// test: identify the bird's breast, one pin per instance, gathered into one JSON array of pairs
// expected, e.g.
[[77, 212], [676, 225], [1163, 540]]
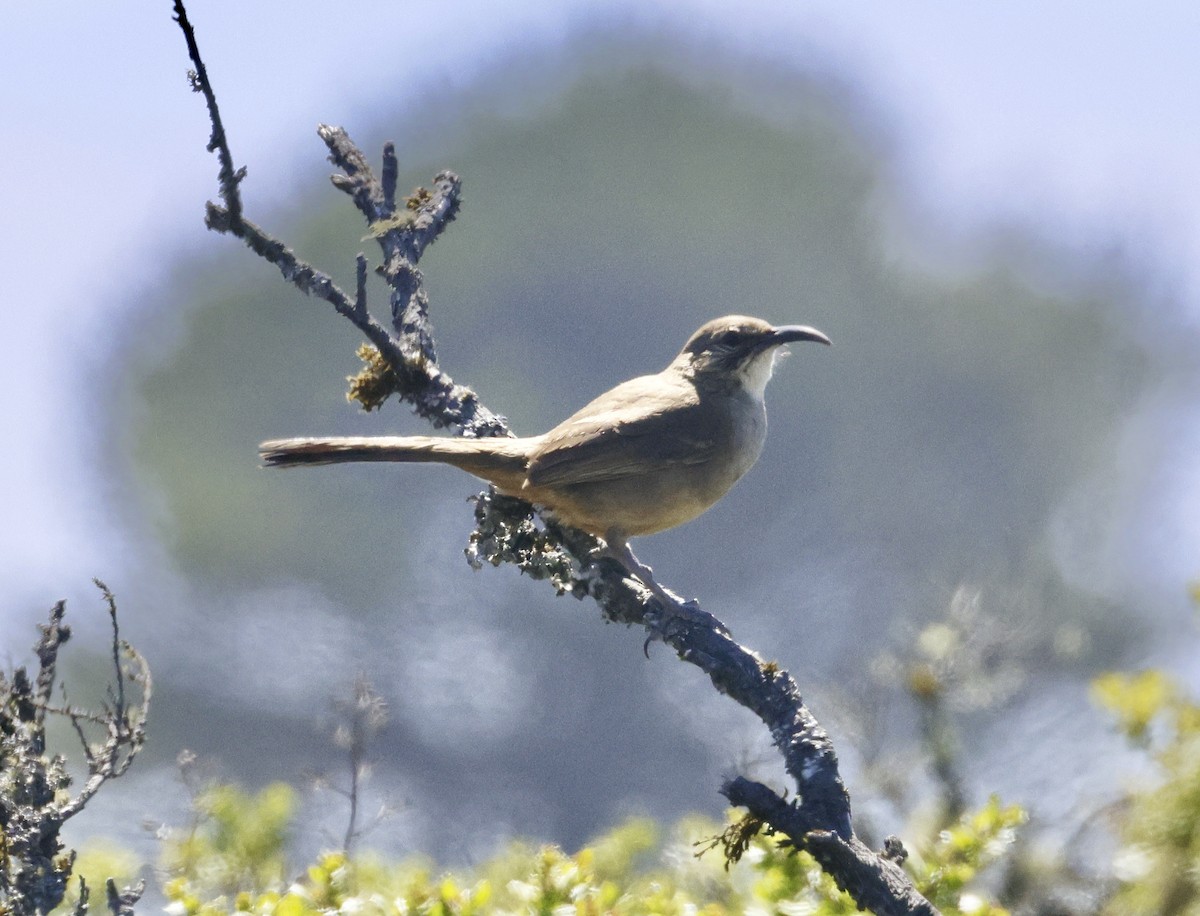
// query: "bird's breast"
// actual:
[[744, 432]]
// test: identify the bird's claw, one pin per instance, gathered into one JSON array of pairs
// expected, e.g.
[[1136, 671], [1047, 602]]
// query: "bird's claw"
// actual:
[[662, 613], [659, 618]]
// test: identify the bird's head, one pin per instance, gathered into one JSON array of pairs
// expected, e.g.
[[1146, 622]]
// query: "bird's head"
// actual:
[[740, 349]]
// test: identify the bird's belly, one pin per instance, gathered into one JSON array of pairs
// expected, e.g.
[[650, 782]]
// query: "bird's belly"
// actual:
[[644, 504]]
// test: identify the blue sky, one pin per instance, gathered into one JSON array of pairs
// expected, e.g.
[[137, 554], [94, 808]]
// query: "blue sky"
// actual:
[[1075, 118]]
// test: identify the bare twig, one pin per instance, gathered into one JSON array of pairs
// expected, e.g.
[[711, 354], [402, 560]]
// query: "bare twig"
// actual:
[[54, 635], [431, 392], [36, 804], [509, 530], [391, 173], [228, 177], [117, 645], [125, 725], [121, 902], [359, 720]]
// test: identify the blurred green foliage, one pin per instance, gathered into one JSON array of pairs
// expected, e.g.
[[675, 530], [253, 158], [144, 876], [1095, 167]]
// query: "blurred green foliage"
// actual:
[[231, 860], [949, 867], [96, 863], [232, 856], [236, 844], [1160, 823]]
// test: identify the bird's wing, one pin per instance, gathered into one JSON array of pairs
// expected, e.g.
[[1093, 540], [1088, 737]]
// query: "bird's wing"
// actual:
[[641, 426]]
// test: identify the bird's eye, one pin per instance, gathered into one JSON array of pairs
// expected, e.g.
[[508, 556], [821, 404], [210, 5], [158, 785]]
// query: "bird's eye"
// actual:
[[730, 338]]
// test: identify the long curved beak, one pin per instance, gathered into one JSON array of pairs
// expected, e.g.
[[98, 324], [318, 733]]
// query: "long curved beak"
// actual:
[[789, 333]]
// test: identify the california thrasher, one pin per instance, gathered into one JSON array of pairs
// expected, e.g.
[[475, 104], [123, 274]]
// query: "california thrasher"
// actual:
[[650, 454]]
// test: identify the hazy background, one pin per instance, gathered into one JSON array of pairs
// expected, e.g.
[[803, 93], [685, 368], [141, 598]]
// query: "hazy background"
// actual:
[[993, 213]]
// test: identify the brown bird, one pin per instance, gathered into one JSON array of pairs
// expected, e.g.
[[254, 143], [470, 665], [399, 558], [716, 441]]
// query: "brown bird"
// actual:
[[651, 453]]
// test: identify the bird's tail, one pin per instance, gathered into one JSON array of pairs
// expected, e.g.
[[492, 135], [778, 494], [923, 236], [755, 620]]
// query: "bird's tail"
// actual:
[[499, 461]]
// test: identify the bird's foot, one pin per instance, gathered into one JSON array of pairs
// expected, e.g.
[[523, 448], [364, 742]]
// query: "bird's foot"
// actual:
[[671, 607], [666, 608], [618, 549]]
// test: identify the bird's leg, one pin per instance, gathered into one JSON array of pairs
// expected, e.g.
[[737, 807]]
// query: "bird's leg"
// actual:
[[617, 548]]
